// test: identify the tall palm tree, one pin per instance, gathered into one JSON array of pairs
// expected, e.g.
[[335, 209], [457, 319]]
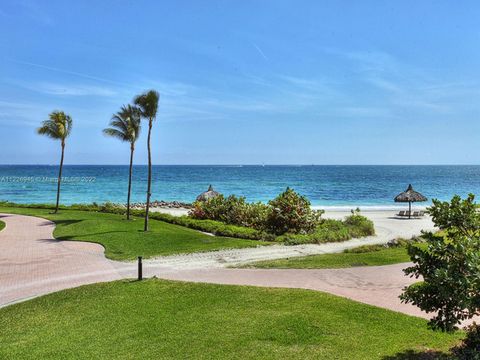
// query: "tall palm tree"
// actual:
[[148, 105], [125, 126], [58, 127]]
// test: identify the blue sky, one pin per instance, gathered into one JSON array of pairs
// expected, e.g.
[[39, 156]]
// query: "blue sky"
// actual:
[[246, 82]]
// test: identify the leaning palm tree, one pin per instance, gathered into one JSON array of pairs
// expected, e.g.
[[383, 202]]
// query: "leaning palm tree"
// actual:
[[58, 127], [148, 105], [125, 125]]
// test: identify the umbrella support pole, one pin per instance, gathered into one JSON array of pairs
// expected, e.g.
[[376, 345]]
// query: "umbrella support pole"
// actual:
[[409, 209]]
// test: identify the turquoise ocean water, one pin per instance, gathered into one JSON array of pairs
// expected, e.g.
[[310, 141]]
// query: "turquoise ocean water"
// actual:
[[325, 186]]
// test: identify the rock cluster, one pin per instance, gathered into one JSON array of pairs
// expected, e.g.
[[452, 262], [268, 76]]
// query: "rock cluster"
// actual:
[[163, 204]]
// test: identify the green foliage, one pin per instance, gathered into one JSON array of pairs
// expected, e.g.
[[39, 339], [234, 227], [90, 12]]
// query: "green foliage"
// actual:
[[125, 124], [470, 347], [288, 212], [231, 210], [214, 227], [449, 265], [2, 225], [291, 213], [58, 126], [330, 230]]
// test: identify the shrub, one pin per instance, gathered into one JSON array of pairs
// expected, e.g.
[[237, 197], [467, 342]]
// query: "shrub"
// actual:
[[329, 230], [359, 225], [291, 212], [449, 264], [470, 346], [231, 210], [288, 212]]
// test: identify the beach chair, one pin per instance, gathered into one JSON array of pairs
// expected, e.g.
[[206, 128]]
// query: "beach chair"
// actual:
[[416, 214], [407, 213], [401, 213], [421, 213]]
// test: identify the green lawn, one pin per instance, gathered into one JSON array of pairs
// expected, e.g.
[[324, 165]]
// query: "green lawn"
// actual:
[[386, 256], [2, 225], [156, 319], [124, 239]]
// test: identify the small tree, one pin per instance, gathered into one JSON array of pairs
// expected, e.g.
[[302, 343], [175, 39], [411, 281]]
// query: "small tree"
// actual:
[[449, 265], [291, 212]]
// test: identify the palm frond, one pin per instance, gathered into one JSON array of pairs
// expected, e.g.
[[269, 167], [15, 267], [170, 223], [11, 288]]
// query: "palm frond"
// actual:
[[125, 124], [148, 103], [58, 126]]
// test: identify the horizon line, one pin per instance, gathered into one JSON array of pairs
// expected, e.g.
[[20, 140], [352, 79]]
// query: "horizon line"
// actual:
[[239, 165]]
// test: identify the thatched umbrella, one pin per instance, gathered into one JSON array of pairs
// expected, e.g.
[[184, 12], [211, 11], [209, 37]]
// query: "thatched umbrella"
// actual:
[[209, 194], [410, 196]]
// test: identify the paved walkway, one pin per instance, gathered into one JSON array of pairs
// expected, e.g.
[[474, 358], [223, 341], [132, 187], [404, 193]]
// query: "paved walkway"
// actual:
[[33, 263]]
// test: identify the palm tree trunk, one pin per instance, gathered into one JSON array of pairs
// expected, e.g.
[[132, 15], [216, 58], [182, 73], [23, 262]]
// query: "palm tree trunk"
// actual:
[[149, 186], [59, 178], [132, 148]]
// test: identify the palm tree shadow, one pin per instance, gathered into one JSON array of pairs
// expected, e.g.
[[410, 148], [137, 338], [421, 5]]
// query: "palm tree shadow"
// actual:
[[72, 237], [419, 355], [61, 222]]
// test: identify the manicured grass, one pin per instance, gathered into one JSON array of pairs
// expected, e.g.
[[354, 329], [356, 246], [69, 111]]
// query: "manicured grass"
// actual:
[[157, 319], [124, 239], [2, 225], [385, 256]]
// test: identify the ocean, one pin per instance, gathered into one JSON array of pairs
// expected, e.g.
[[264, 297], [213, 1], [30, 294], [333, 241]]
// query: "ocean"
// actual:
[[326, 186]]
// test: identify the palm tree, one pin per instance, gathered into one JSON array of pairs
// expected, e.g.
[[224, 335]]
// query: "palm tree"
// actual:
[[148, 105], [58, 127], [125, 125]]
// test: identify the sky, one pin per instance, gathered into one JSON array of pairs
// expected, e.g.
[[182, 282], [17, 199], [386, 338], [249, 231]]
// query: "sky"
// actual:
[[245, 82]]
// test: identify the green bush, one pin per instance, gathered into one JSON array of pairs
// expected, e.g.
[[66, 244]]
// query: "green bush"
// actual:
[[359, 225], [231, 210], [330, 230], [470, 347], [290, 212], [449, 264]]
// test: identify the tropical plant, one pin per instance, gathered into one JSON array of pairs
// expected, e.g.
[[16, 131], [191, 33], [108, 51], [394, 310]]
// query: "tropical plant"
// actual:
[[57, 127], [291, 212], [148, 105], [231, 210], [125, 125], [449, 265]]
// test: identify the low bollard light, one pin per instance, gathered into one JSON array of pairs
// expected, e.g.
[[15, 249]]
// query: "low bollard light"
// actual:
[[140, 274]]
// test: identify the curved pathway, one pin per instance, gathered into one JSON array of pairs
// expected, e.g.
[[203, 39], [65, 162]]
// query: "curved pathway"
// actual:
[[33, 263]]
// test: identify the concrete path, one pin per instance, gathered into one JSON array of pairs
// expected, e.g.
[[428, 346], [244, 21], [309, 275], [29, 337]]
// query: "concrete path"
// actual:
[[33, 263]]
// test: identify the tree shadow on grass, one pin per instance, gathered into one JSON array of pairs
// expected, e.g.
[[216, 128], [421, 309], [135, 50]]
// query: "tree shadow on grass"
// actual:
[[420, 355], [60, 222], [75, 237]]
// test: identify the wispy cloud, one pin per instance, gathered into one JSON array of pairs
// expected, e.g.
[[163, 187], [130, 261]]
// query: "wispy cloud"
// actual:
[[260, 51], [68, 89], [66, 71], [408, 87]]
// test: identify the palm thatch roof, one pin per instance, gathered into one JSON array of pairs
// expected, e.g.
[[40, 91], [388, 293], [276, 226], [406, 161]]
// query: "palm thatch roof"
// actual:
[[209, 194], [410, 195]]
